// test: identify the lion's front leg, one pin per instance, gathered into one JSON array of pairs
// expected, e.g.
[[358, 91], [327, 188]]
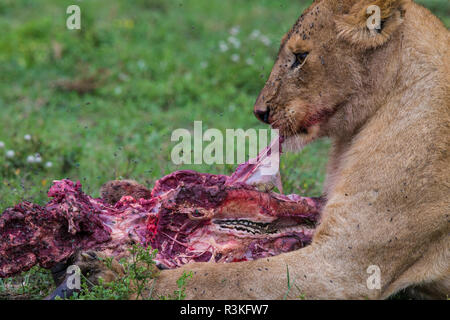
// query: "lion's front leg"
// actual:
[[347, 259], [304, 273]]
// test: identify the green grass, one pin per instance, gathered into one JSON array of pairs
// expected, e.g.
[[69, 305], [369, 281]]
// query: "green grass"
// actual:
[[136, 282], [159, 67]]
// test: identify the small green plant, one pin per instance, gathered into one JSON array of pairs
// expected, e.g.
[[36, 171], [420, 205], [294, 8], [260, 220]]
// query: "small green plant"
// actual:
[[301, 295], [139, 270], [33, 284], [289, 284]]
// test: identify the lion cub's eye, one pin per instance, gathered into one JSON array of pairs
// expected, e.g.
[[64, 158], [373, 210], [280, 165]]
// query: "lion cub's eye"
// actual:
[[299, 59]]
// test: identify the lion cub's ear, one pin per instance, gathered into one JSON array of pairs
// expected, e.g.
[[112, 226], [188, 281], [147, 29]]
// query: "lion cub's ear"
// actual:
[[370, 23]]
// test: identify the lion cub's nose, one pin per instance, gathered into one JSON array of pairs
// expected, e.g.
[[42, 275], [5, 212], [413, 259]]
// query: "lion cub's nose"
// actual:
[[262, 114]]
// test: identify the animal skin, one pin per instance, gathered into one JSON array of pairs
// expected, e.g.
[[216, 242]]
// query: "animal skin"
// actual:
[[383, 99]]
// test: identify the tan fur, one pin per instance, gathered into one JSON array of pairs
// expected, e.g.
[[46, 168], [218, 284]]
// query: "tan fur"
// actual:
[[385, 103]]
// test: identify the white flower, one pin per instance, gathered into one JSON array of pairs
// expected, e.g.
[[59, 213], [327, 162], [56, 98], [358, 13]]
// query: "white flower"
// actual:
[[203, 64], [34, 158], [264, 39], [118, 90], [235, 57], [37, 158], [235, 42], [249, 61], [255, 34], [10, 154], [27, 137], [2, 144], [48, 164], [31, 159], [235, 30], [223, 46]]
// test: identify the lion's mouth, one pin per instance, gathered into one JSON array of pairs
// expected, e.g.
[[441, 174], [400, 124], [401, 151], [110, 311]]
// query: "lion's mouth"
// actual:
[[312, 120], [296, 135]]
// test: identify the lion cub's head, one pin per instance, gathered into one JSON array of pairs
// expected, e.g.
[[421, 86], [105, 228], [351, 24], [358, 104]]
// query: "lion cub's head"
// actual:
[[329, 65]]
